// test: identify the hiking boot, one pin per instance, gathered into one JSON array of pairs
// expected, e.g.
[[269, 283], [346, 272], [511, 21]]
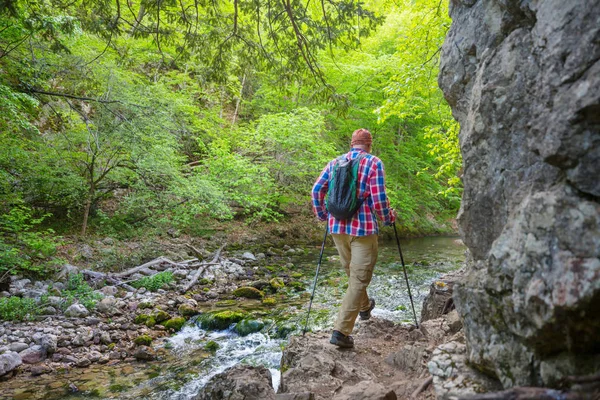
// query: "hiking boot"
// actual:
[[341, 340], [365, 315]]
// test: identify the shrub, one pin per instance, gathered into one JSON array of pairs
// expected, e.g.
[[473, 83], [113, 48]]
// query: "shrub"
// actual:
[[17, 308], [154, 282], [77, 289]]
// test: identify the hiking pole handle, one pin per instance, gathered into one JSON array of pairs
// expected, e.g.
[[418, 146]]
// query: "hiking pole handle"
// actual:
[[412, 304], [312, 296]]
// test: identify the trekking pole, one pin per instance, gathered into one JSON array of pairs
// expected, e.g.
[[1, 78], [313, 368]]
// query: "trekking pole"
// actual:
[[406, 276], [312, 296]]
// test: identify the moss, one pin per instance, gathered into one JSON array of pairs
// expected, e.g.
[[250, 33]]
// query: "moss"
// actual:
[[150, 322], [211, 346], [297, 275], [297, 286], [205, 281], [269, 301], [221, 320], [111, 346], [276, 283], [143, 340], [248, 326], [226, 303], [271, 268], [161, 316], [141, 319], [186, 310], [174, 324], [145, 305], [248, 292]]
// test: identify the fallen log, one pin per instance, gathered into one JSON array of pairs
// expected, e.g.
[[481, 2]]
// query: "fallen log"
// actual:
[[202, 268], [156, 261]]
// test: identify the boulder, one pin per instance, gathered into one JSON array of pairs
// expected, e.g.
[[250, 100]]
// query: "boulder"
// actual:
[[523, 81], [33, 354], [76, 311], [9, 361], [241, 382], [18, 347], [108, 306]]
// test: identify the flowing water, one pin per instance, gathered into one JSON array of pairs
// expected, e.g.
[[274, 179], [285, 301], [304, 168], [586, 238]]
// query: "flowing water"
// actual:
[[185, 366]]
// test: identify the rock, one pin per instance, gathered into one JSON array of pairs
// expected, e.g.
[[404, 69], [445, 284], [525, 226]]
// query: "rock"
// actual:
[[248, 292], [248, 326], [144, 353], [9, 361], [143, 340], [453, 321], [18, 347], [38, 370], [33, 354], [83, 337], [109, 290], [523, 81], [219, 320], [49, 310], [108, 306], [249, 256], [435, 329], [187, 310], [83, 362], [438, 301], [408, 358], [76, 311], [105, 338], [452, 378], [85, 251], [365, 390], [295, 396], [174, 324], [241, 382], [48, 343]]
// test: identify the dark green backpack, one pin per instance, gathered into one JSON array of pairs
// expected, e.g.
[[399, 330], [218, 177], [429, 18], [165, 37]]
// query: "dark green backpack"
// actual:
[[342, 195]]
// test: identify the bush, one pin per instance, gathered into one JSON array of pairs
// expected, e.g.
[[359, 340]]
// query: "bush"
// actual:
[[154, 282], [17, 308], [77, 289]]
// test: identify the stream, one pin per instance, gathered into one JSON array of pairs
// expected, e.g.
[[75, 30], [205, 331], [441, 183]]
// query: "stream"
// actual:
[[184, 365]]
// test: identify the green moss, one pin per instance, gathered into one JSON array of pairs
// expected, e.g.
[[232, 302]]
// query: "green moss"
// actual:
[[161, 316], [297, 286], [205, 281], [211, 346], [401, 307], [141, 319], [297, 275], [143, 340], [272, 268], [248, 292], [150, 322], [226, 303], [145, 305], [276, 283], [221, 320], [186, 310], [111, 346], [248, 326], [269, 301], [174, 324]]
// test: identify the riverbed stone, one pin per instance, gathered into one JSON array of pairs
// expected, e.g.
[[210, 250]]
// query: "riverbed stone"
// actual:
[[9, 361], [144, 353], [18, 347], [77, 311], [523, 80], [241, 382], [33, 354]]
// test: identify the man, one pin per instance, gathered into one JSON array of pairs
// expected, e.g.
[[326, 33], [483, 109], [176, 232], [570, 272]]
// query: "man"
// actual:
[[356, 238]]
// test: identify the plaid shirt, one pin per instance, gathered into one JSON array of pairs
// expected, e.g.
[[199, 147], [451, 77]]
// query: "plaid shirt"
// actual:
[[371, 179]]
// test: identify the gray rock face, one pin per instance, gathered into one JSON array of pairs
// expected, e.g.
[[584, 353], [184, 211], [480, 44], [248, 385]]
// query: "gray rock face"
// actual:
[[9, 361], [241, 382], [523, 79]]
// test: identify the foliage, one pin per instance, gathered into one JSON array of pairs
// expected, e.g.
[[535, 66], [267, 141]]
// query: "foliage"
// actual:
[[22, 248], [78, 290], [15, 308], [154, 282]]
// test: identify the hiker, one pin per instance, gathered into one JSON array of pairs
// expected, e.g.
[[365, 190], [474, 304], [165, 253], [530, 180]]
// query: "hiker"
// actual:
[[356, 238]]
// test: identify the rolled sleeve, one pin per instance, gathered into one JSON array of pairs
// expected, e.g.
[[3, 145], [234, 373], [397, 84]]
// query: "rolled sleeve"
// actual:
[[319, 191], [381, 203]]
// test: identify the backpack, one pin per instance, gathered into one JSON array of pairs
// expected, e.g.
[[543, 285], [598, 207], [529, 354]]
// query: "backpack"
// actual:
[[342, 196]]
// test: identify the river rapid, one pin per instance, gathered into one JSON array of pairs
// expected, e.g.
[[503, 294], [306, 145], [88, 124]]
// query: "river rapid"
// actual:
[[184, 364]]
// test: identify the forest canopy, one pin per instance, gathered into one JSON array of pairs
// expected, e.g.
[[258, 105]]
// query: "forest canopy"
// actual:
[[123, 115]]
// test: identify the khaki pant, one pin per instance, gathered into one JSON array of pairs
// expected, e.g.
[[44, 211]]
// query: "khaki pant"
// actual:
[[358, 255]]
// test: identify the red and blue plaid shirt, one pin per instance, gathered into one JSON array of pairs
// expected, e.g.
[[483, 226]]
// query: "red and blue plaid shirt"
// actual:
[[371, 187]]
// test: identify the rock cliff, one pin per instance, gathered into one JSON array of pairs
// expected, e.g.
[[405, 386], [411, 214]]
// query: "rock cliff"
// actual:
[[523, 79]]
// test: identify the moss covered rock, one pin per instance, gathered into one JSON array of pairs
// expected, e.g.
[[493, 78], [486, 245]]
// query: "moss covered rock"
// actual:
[[297, 286], [143, 340], [186, 310], [211, 346], [174, 324], [161, 316], [248, 292], [276, 283], [220, 320], [269, 301], [248, 326], [141, 319]]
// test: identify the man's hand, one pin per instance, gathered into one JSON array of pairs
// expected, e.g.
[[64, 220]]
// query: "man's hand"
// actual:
[[394, 214]]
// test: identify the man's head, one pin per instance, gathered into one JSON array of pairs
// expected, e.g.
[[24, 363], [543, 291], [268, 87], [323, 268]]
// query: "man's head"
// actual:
[[362, 139]]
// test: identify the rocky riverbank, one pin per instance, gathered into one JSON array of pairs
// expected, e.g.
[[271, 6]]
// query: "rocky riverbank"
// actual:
[[119, 322]]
